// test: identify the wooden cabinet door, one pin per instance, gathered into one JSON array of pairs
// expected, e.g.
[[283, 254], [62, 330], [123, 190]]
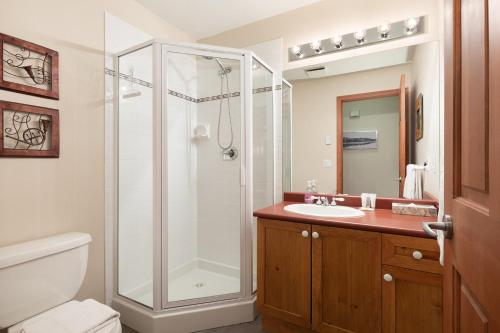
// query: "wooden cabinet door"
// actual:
[[412, 301], [284, 271], [346, 288]]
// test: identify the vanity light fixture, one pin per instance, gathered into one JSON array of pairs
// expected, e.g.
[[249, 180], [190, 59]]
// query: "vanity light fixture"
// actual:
[[411, 25], [360, 36], [384, 31], [337, 41], [298, 52], [316, 47]]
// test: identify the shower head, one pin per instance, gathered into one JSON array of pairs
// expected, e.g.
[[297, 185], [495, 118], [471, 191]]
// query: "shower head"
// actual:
[[223, 69]]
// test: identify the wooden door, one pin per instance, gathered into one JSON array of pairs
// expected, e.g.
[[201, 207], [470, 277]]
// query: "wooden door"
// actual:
[[284, 266], [472, 166], [403, 158], [346, 288], [412, 301]]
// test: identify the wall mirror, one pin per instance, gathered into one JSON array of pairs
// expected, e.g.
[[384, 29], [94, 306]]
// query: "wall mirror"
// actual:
[[354, 125]]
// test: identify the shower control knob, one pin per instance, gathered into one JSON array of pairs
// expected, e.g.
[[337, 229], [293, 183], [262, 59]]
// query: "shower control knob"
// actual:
[[388, 277], [315, 235], [305, 234], [417, 255]]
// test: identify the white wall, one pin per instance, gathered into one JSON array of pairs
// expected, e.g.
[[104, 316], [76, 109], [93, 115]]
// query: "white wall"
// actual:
[[426, 80], [314, 118]]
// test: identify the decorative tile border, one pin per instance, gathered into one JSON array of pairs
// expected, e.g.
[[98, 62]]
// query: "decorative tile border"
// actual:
[[128, 78], [135, 80]]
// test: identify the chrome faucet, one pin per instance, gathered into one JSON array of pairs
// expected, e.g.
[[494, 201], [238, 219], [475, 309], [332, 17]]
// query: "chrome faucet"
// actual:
[[334, 201]]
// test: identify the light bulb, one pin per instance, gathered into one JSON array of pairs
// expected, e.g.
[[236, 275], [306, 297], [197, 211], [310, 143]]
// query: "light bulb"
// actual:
[[384, 30], [337, 41], [411, 25], [297, 51], [360, 36], [316, 46]]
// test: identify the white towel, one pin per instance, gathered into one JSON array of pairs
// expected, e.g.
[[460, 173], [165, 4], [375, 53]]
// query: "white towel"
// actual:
[[72, 317], [413, 182]]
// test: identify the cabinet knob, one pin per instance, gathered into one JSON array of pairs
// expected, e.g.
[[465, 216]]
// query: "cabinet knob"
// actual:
[[305, 234], [388, 277], [417, 255], [315, 234]]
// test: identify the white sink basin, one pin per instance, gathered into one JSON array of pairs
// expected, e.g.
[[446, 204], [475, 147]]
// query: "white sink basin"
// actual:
[[324, 211]]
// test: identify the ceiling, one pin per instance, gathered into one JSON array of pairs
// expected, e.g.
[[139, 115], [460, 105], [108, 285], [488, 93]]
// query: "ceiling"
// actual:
[[204, 18]]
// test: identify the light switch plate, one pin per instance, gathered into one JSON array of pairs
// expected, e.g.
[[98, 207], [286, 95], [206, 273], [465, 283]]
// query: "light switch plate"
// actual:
[[328, 140]]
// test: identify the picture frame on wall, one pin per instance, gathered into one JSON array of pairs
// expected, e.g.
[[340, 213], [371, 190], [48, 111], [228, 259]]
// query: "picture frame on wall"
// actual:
[[28, 68], [359, 140], [28, 130], [419, 117]]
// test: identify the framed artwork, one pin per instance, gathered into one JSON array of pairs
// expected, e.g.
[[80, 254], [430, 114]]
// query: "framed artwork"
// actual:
[[28, 68], [357, 140], [419, 114], [28, 131]]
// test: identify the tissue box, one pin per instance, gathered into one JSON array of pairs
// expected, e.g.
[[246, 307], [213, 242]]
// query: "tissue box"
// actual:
[[414, 209]]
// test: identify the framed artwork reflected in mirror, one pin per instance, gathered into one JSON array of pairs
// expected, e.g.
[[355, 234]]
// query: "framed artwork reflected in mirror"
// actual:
[[419, 115]]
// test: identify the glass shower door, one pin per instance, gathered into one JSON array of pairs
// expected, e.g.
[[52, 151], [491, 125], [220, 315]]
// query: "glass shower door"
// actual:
[[135, 160], [203, 201], [262, 146]]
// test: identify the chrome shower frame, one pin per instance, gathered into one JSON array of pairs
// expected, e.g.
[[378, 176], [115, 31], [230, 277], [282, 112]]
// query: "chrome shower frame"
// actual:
[[203, 313]]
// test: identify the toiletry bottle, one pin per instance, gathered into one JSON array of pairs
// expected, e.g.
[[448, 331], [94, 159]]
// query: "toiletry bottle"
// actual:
[[314, 189], [308, 195]]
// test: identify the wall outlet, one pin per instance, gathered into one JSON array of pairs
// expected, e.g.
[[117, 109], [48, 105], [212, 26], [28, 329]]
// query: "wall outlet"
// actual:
[[327, 163]]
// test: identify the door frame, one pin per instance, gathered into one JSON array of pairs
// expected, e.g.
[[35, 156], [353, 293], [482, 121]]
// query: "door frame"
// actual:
[[403, 128]]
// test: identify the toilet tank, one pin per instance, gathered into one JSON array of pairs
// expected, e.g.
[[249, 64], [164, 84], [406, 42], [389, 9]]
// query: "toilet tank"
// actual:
[[41, 274]]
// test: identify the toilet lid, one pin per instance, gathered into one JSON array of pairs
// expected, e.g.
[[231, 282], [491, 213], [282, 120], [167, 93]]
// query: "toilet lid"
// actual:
[[70, 317]]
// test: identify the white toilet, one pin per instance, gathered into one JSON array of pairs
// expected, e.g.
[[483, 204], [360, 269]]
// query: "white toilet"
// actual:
[[38, 280]]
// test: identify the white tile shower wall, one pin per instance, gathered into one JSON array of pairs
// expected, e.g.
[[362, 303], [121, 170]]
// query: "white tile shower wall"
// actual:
[[182, 163], [135, 259], [219, 206]]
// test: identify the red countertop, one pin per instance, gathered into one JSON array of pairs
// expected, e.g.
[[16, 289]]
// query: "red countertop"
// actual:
[[380, 220]]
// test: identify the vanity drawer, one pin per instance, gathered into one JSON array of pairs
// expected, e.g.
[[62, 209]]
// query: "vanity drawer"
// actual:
[[411, 252]]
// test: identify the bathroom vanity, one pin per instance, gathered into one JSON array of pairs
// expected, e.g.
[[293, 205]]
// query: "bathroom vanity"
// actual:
[[376, 273]]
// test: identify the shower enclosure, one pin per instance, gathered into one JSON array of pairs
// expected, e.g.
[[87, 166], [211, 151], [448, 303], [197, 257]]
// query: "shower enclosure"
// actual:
[[194, 156]]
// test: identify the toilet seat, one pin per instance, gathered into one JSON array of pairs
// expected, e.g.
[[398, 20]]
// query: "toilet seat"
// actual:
[[88, 316]]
